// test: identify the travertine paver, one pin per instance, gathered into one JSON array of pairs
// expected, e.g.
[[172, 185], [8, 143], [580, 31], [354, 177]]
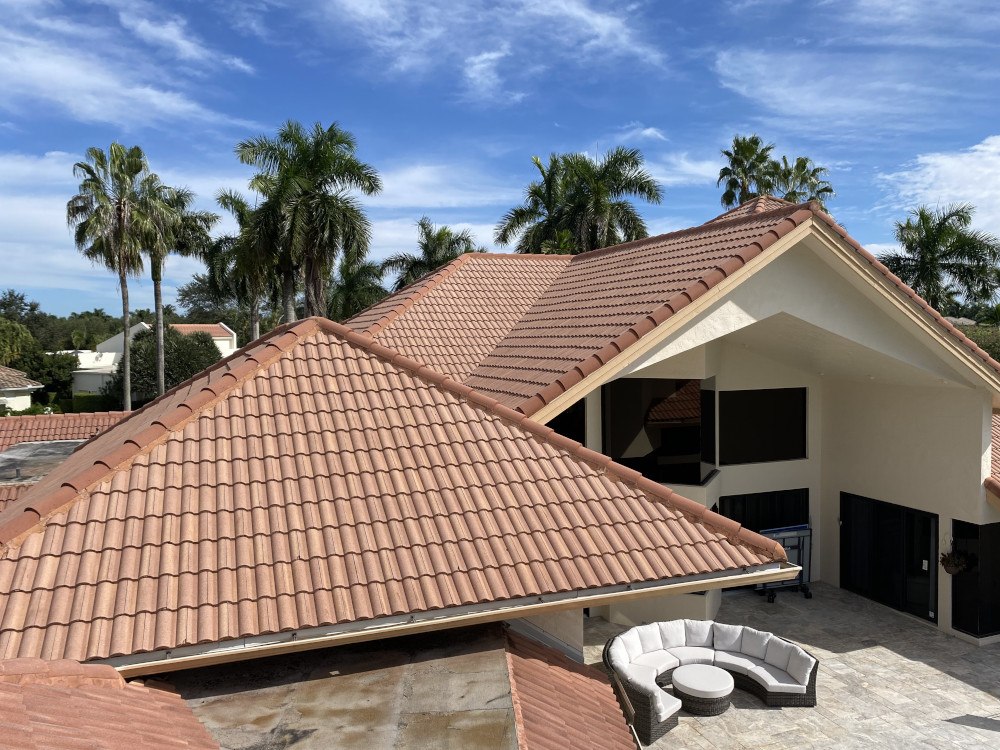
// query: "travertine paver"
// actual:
[[885, 680]]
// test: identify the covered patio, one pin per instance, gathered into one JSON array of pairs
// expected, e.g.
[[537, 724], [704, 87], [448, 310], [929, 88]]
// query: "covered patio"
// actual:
[[885, 680]]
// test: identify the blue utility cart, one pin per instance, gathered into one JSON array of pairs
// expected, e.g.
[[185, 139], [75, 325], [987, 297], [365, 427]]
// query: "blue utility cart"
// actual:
[[797, 541]]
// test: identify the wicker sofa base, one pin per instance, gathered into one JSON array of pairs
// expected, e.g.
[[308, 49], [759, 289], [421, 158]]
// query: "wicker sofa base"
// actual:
[[703, 706], [790, 700]]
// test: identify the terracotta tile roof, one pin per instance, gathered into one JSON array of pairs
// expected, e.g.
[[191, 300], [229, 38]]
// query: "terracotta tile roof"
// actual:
[[561, 704], [63, 705], [215, 330], [598, 305], [993, 481], [684, 405], [43, 427], [455, 317], [606, 300], [756, 206], [15, 379], [316, 477], [10, 492]]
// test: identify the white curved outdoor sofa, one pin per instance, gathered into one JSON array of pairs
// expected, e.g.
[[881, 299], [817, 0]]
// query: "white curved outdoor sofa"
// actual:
[[642, 659]]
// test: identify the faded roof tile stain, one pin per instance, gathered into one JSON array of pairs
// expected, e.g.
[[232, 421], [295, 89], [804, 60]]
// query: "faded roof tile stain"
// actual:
[[316, 477], [63, 704], [561, 704]]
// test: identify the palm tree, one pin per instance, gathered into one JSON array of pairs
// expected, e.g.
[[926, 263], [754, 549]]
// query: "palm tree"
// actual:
[[436, 246], [941, 257], [119, 209], [306, 178], [599, 214], [800, 181], [537, 220], [748, 173], [241, 267], [580, 203], [186, 233], [356, 286]]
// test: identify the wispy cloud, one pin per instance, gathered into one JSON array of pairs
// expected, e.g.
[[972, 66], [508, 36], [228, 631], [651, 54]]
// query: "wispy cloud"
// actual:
[[637, 131], [679, 168], [172, 34], [442, 186], [83, 69], [940, 178], [483, 80], [398, 234]]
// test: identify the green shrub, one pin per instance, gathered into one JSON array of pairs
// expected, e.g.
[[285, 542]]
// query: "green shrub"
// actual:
[[987, 337], [84, 402]]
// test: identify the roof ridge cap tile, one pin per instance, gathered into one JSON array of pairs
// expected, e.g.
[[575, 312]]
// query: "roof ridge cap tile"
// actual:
[[85, 478], [658, 315], [875, 263], [560, 442], [706, 227], [419, 289]]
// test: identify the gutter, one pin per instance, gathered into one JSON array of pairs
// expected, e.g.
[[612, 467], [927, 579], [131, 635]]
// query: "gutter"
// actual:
[[240, 649]]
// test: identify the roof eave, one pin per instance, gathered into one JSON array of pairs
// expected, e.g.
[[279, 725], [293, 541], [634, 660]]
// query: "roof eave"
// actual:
[[223, 652]]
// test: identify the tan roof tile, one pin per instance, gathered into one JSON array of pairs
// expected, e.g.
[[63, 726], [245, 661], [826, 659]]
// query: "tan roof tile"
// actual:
[[325, 479], [11, 378], [559, 703], [756, 206], [215, 330], [43, 427], [453, 318], [46, 705], [10, 492]]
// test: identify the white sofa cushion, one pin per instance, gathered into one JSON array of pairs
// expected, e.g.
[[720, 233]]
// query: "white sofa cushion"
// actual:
[[672, 633], [659, 660], [779, 651], [754, 642], [776, 680], [698, 633], [665, 705], [642, 679], [693, 654], [638, 675], [617, 654], [726, 637], [630, 638], [649, 638], [800, 665], [736, 662]]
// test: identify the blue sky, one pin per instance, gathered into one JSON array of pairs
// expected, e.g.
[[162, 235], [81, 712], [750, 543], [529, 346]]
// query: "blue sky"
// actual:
[[450, 100]]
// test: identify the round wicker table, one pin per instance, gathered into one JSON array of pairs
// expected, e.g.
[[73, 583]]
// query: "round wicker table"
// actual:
[[703, 690]]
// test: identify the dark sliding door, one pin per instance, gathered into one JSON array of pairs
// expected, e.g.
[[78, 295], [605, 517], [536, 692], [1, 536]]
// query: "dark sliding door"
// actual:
[[888, 553]]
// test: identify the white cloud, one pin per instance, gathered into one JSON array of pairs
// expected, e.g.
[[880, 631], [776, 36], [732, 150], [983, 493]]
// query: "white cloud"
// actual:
[[636, 131], [441, 186], [941, 178], [678, 168], [398, 234], [483, 81], [172, 34]]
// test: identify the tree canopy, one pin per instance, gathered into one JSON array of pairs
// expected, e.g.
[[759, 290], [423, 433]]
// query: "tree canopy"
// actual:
[[751, 171], [436, 246]]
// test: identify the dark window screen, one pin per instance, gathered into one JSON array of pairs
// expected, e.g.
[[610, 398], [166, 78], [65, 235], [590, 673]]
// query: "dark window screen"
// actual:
[[759, 426]]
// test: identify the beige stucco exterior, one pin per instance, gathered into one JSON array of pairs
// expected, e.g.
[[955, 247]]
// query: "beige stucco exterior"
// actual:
[[893, 414]]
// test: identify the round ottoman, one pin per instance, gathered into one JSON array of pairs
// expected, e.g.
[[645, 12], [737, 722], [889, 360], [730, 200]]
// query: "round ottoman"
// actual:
[[703, 690]]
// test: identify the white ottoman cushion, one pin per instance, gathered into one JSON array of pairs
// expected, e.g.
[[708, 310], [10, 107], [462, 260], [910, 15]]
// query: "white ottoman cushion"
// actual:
[[660, 660], [727, 637], [776, 680], [672, 633], [693, 655], [698, 633], [754, 643], [702, 681], [736, 662]]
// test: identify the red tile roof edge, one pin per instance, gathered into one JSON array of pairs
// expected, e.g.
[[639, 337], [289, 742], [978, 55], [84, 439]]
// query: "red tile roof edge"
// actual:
[[26, 513], [916, 298], [756, 210], [677, 302], [21, 516], [526, 648], [993, 485], [740, 258], [28, 382]]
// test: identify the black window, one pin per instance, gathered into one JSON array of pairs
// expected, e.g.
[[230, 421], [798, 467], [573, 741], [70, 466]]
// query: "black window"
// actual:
[[764, 425]]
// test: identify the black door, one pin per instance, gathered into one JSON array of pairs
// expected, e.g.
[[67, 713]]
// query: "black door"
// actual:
[[889, 553]]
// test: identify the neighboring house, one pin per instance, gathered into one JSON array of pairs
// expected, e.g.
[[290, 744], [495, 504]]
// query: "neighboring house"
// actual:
[[319, 489], [16, 389], [829, 393], [97, 367]]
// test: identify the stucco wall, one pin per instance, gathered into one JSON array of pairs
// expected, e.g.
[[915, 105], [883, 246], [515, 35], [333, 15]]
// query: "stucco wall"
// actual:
[[16, 400], [656, 609]]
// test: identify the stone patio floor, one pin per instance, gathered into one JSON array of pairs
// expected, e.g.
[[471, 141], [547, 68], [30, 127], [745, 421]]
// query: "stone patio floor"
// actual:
[[885, 680]]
